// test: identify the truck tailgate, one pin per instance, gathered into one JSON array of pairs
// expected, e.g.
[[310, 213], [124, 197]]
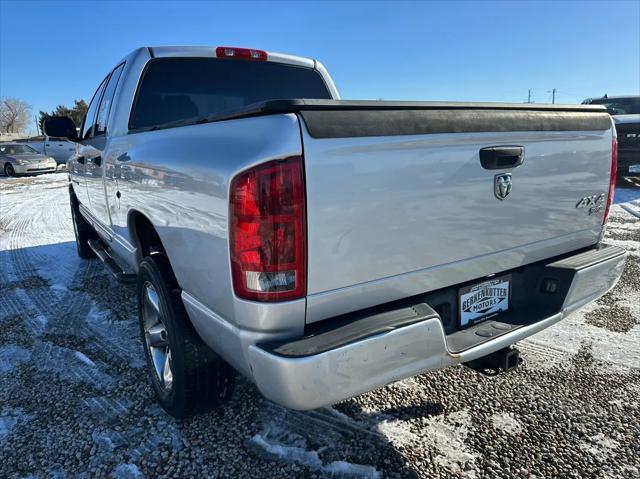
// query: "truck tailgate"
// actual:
[[399, 203]]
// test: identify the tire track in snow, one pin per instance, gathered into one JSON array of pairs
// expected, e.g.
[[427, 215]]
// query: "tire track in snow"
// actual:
[[25, 263], [64, 309]]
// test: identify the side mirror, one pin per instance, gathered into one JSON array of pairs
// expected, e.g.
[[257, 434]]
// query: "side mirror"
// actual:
[[60, 126]]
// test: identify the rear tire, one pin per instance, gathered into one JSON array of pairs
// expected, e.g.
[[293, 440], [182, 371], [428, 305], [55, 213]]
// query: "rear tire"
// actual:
[[83, 230], [186, 375], [8, 170]]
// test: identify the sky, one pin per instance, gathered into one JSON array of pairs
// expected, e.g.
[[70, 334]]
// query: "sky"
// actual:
[[54, 52]]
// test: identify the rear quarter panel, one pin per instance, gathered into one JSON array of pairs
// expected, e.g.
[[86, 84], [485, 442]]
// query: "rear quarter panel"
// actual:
[[179, 178]]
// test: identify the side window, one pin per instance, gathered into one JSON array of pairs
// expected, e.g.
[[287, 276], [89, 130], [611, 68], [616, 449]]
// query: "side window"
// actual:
[[107, 101], [87, 124]]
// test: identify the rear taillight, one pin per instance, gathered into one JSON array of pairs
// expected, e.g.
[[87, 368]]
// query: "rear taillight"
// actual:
[[612, 178], [267, 231], [241, 53]]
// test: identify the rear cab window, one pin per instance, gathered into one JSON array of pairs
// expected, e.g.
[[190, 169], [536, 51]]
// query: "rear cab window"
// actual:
[[182, 89]]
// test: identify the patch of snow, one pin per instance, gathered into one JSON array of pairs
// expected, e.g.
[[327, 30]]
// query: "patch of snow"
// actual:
[[600, 446], [118, 338], [292, 448], [7, 423], [84, 359], [618, 349], [66, 365], [407, 384], [56, 474], [345, 470], [339, 415], [106, 409], [12, 355], [446, 434], [96, 314], [59, 288], [127, 471], [506, 422], [296, 454], [398, 433], [107, 441], [9, 419]]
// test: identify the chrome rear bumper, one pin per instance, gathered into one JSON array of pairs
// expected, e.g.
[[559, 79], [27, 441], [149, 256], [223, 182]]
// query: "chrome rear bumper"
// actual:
[[315, 380]]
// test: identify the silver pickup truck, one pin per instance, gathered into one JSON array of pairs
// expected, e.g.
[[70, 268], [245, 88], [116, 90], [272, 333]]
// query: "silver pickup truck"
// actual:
[[324, 248]]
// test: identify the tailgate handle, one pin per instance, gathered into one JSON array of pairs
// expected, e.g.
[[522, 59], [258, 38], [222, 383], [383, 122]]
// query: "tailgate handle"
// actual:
[[500, 157]]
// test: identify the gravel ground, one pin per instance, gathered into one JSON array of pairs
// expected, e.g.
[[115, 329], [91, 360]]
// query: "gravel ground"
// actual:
[[75, 400]]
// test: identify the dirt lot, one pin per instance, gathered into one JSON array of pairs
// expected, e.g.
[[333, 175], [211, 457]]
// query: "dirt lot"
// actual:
[[75, 401]]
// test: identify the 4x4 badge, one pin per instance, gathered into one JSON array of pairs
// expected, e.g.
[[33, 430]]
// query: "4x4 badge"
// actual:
[[502, 185]]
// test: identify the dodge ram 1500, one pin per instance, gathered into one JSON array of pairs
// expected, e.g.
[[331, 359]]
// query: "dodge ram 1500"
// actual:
[[324, 248]]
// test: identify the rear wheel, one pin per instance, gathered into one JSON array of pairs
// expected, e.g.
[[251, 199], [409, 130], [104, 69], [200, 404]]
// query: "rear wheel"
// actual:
[[187, 376], [82, 230], [8, 170]]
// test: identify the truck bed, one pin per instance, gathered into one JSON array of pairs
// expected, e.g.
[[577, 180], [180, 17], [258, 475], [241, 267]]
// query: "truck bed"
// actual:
[[399, 203]]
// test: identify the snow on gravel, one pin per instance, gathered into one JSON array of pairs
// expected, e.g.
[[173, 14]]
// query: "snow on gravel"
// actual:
[[75, 399], [629, 200], [12, 355], [506, 422]]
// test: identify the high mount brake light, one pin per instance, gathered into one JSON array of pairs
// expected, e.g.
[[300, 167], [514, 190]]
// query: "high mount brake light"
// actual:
[[612, 178], [241, 53], [267, 231]]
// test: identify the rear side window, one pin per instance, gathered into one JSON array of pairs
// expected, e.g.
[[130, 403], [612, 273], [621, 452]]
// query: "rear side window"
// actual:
[[87, 124], [107, 101], [175, 89]]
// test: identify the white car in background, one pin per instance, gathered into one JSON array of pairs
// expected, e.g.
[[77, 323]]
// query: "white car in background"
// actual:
[[21, 159], [59, 148]]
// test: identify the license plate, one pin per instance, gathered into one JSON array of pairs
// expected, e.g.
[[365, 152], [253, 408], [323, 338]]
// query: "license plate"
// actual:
[[634, 168], [483, 300]]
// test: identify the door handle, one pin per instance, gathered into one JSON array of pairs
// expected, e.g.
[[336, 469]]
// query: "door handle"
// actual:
[[97, 160], [81, 159], [501, 157]]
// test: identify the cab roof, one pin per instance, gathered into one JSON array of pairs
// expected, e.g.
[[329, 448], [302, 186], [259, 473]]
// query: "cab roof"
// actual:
[[192, 51]]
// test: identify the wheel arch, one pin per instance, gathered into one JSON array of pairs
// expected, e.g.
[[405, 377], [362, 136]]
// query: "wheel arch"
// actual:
[[144, 235]]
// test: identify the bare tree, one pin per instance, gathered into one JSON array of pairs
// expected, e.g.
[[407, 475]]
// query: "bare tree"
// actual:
[[14, 115]]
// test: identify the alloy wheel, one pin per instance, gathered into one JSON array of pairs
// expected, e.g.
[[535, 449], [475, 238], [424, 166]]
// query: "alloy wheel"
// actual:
[[157, 337]]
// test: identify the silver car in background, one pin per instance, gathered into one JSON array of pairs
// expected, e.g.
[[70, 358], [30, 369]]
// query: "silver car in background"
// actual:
[[20, 159]]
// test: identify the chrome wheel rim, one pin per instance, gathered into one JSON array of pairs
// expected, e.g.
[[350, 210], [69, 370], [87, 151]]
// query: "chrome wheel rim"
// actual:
[[157, 337]]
